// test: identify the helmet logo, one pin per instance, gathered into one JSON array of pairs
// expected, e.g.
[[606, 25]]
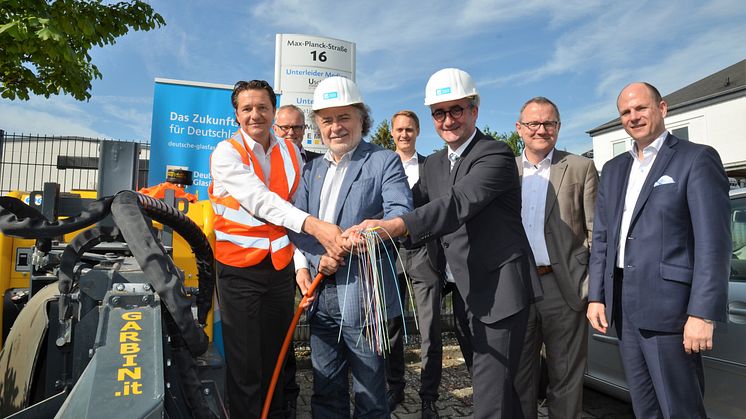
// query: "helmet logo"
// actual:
[[330, 95], [442, 91]]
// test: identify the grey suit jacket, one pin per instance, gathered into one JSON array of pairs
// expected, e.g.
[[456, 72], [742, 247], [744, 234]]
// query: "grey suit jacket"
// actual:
[[374, 186], [568, 222], [473, 220]]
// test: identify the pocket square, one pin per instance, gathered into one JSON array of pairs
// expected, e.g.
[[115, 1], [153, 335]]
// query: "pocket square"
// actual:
[[664, 180]]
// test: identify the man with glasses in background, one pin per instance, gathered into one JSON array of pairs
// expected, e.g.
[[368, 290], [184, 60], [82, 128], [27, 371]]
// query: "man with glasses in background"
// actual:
[[290, 124], [558, 196], [472, 226], [251, 195]]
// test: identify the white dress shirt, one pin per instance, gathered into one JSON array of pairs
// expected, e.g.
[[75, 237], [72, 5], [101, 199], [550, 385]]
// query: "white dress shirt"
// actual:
[[534, 186], [232, 177], [453, 156], [412, 169], [329, 194], [637, 175]]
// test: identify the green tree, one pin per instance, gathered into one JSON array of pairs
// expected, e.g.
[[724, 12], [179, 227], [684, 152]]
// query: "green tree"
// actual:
[[512, 139], [383, 137], [44, 45]]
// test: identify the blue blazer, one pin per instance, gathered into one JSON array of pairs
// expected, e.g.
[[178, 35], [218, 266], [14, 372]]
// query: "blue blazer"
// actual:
[[677, 256], [374, 186]]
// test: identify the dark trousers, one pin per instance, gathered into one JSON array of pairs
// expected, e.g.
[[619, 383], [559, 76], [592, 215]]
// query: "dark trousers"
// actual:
[[496, 355], [463, 334], [664, 381], [256, 307], [427, 289]]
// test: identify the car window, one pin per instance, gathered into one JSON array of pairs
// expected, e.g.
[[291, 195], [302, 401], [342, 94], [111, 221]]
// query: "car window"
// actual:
[[738, 233]]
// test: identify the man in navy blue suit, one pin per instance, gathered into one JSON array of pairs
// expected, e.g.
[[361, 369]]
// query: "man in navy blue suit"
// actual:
[[660, 258]]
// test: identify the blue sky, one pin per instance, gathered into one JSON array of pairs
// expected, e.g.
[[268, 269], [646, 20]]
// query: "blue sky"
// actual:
[[577, 53]]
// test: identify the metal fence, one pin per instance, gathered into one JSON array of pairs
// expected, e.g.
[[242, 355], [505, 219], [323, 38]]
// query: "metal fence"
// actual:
[[27, 161]]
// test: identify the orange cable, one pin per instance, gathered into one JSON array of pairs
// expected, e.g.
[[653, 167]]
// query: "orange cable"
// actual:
[[286, 344]]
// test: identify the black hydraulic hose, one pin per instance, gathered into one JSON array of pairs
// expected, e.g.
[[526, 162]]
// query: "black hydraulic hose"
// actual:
[[186, 228], [70, 257], [82, 243], [21, 220], [160, 269]]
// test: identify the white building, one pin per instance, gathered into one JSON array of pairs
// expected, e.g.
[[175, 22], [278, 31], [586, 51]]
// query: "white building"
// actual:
[[709, 111]]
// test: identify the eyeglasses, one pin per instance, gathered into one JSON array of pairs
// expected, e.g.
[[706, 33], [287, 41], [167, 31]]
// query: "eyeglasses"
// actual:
[[455, 112], [534, 125], [288, 128]]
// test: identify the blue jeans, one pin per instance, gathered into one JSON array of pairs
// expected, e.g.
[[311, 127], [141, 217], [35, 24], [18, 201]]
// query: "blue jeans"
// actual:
[[331, 361]]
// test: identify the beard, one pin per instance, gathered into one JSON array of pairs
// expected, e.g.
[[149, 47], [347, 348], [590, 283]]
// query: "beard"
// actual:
[[340, 149]]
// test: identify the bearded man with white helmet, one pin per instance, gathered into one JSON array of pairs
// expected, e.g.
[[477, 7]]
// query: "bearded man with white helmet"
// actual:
[[473, 229], [353, 181]]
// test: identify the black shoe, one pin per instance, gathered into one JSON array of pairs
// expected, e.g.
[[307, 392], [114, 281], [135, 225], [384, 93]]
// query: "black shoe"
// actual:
[[429, 410], [394, 398]]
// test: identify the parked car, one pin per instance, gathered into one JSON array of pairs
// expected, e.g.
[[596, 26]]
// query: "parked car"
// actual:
[[725, 365]]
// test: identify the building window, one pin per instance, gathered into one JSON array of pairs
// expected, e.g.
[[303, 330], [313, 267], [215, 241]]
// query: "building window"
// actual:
[[682, 133], [619, 147]]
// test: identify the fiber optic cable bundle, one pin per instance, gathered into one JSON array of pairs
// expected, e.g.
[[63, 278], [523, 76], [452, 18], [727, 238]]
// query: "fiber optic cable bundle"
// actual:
[[370, 247]]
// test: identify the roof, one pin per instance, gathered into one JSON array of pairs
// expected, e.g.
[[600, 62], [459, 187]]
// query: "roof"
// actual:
[[728, 83]]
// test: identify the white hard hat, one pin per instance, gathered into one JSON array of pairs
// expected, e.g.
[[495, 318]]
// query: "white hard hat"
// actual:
[[335, 91], [449, 84]]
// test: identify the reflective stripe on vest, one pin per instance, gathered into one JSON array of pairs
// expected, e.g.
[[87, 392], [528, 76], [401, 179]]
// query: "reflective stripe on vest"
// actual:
[[241, 239], [240, 216]]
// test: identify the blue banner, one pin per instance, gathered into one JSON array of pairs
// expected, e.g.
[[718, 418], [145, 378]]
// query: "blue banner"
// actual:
[[189, 120]]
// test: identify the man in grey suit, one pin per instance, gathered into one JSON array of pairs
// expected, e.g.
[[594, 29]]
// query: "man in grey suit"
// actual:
[[558, 195], [427, 284], [472, 227], [354, 180]]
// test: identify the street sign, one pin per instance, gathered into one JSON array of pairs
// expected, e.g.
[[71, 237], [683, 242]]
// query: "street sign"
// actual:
[[301, 62]]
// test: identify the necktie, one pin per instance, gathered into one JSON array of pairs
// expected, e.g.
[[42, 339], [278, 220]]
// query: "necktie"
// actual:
[[453, 157]]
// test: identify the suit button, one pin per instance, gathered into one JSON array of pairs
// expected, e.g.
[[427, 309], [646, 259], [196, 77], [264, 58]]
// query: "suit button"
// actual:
[[630, 266], [630, 238], [445, 244]]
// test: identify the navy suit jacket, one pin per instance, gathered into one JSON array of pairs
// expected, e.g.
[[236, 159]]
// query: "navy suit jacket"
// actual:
[[473, 220], [677, 254], [374, 186]]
